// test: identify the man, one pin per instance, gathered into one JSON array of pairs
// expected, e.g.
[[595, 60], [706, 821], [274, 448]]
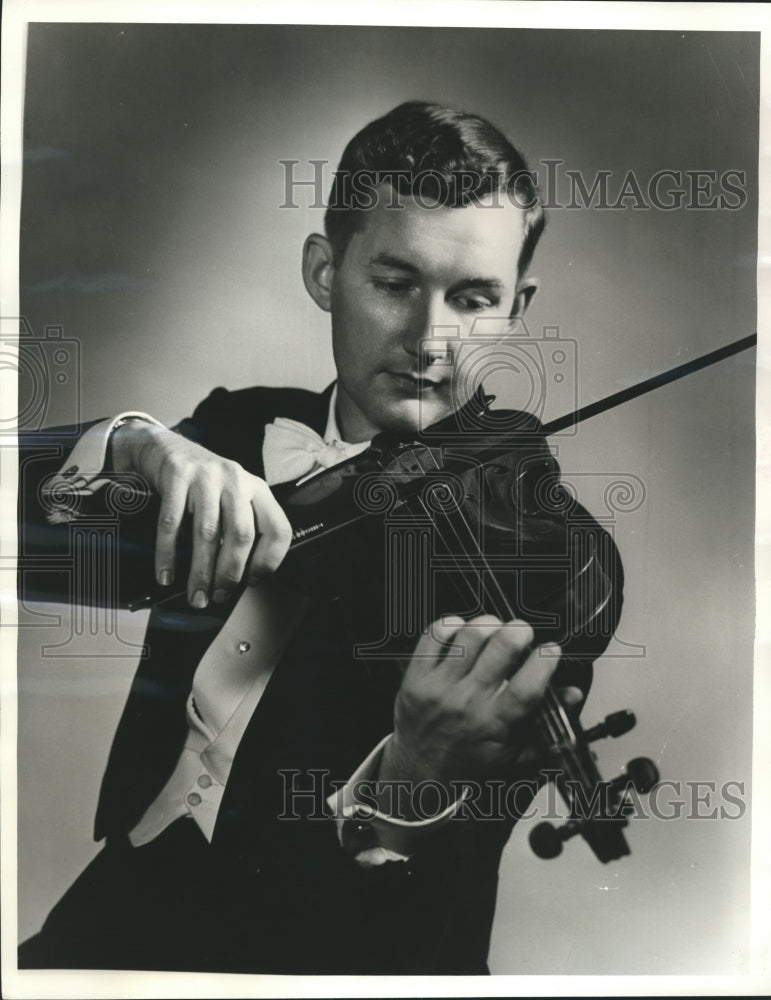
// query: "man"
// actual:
[[237, 837]]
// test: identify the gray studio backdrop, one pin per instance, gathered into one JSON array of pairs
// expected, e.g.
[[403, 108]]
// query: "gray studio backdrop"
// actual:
[[152, 234]]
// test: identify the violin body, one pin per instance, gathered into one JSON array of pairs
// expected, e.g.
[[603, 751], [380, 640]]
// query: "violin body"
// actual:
[[496, 531]]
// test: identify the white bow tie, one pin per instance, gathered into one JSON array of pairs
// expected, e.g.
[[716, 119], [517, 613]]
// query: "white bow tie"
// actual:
[[291, 451]]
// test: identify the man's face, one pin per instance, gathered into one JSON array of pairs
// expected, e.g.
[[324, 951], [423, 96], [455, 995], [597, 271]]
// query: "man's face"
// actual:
[[412, 275]]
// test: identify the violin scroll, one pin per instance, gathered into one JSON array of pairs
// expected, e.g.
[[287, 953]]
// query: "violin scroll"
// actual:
[[601, 830], [598, 810]]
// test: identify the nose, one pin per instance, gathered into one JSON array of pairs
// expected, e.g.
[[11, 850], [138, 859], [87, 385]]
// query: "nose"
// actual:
[[430, 336]]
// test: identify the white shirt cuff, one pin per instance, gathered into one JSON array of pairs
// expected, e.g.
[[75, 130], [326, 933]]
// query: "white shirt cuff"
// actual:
[[83, 472], [372, 836]]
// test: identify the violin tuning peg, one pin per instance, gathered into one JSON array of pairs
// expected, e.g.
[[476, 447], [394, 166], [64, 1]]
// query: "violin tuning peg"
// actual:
[[546, 840], [615, 724], [641, 773]]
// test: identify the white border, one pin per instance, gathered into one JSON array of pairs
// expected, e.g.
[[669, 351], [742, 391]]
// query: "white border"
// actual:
[[431, 13], [458, 13]]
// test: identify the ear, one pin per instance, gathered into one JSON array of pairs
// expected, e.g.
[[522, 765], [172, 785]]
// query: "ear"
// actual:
[[526, 289], [318, 270]]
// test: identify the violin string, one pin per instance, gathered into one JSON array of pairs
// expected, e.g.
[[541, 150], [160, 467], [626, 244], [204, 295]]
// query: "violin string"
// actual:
[[501, 607], [552, 713]]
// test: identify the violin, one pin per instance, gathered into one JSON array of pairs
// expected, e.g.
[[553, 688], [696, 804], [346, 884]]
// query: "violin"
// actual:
[[490, 530], [480, 519]]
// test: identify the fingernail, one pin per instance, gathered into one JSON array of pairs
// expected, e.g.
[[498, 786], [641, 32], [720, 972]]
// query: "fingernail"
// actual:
[[220, 596], [165, 579], [200, 599]]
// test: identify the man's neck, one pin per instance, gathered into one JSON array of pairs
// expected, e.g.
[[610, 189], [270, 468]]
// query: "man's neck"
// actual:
[[354, 427]]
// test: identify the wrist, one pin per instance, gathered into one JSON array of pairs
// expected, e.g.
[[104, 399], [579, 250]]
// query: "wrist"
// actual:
[[409, 786], [128, 439], [400, 763]]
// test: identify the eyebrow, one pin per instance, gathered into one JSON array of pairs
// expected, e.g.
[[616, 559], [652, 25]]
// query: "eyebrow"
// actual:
[[389, 260]]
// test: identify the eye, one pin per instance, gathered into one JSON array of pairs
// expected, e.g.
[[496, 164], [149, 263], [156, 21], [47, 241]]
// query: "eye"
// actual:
[[474, 303], [393, 286]]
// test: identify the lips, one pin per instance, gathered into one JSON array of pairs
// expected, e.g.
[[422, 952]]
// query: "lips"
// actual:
[[416, 381]]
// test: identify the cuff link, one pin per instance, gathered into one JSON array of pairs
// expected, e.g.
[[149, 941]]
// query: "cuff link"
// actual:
[[128, 420]]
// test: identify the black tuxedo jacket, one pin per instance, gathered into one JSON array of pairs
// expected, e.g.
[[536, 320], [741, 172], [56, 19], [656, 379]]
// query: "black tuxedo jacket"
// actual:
[[321, 714]]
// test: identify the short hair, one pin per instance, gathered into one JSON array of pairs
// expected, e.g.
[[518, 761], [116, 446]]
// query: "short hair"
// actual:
[[450, 156]]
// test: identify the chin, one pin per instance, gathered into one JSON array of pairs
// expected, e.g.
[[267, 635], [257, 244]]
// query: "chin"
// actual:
[[411, 416]]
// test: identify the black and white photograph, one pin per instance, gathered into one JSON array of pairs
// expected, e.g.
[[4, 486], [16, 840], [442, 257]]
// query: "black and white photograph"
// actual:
[[382, 589]]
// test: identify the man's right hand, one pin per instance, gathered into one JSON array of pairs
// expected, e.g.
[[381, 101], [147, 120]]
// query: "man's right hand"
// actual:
[[230, 508]]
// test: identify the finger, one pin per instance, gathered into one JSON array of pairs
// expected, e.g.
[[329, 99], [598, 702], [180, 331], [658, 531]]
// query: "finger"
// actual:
[[205, 508], [506, 649], [520, 695], [437, 636], [452, 643], [468, 645], [238, 533], [571, 697], [170, 516], [275, 534], [435, 641]]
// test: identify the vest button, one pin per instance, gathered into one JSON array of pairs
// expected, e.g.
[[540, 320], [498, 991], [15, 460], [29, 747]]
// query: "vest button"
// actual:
[[194, 799], [204, 781]]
